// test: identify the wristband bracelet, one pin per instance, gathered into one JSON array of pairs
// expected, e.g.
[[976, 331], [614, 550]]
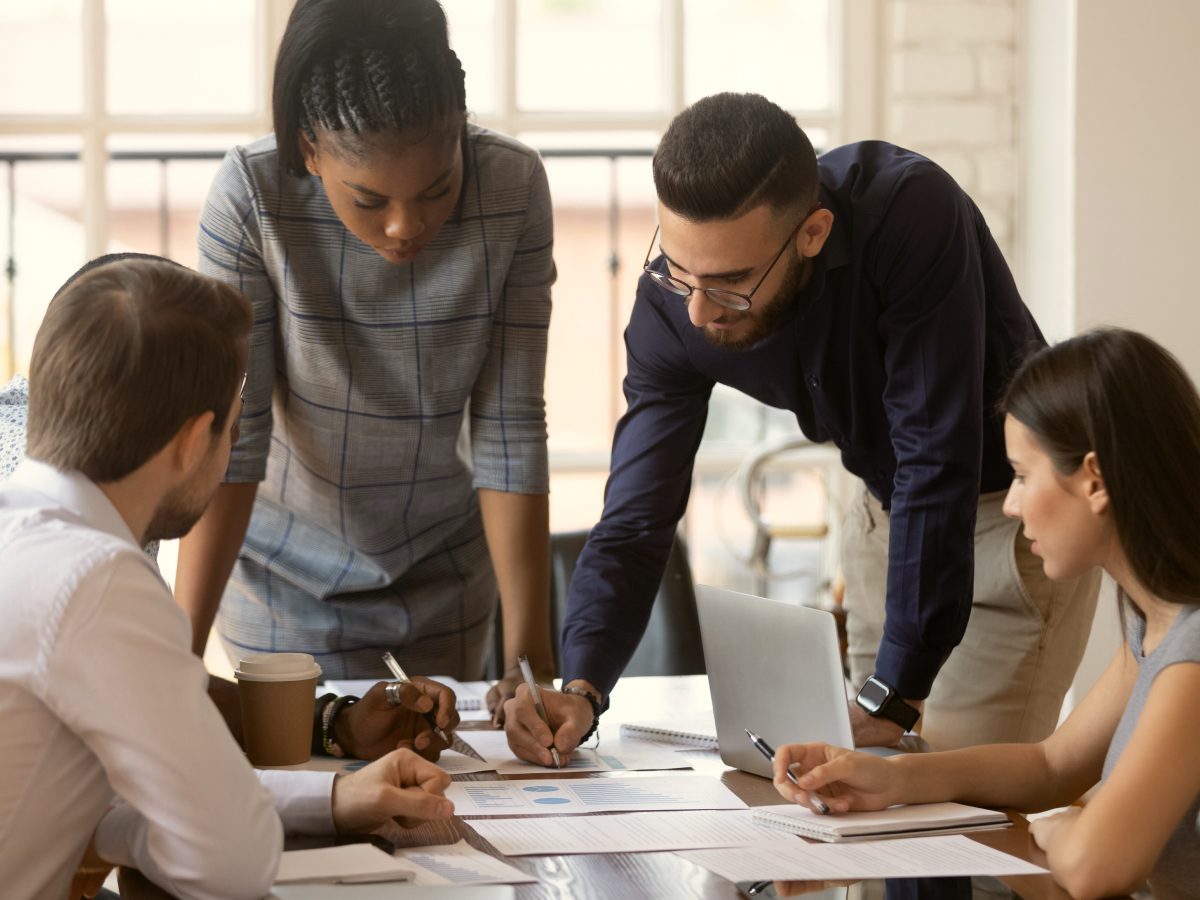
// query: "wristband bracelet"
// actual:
[[595, 703], [328, 719], [318, 732]]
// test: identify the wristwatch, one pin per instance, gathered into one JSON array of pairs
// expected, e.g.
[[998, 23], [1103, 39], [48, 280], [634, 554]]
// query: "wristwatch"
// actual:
[[880, 700]]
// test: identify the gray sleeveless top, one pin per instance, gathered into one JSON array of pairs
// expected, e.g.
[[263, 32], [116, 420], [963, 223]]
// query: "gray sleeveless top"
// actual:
[[1176, 876]]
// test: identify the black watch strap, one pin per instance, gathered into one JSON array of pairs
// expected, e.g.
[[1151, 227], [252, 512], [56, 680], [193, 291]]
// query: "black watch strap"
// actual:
[[880, 700]]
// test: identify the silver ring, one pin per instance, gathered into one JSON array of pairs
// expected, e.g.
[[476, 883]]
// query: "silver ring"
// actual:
[[392, 693]]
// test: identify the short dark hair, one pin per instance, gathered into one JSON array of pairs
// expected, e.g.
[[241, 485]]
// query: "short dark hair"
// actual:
[[729, 153], [130, 350], [364, 68], [1123, 396]]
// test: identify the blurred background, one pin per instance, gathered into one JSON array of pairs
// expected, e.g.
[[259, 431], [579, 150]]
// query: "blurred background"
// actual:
[[1070, 123]]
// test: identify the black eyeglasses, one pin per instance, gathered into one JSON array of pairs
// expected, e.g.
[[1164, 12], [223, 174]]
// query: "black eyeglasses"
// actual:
[[719, 296]]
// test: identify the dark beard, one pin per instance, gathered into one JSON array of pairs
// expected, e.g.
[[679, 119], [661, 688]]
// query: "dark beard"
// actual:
[[769, 316], [175, 516]]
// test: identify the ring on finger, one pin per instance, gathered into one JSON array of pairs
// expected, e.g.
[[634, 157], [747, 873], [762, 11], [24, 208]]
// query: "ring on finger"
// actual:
[[392, 694]]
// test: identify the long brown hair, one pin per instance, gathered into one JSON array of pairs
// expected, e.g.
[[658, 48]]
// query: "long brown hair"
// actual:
[[1122, 395]]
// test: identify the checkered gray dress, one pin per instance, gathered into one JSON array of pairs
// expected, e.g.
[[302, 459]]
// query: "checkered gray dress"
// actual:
[[366, 534]]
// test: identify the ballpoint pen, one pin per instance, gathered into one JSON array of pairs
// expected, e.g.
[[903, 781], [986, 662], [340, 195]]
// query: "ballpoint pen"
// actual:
[[453, 741], [537, 703], [818, 805]]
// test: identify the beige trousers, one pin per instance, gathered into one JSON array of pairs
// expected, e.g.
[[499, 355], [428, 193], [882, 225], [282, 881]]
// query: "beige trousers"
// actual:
[[1006, 680]]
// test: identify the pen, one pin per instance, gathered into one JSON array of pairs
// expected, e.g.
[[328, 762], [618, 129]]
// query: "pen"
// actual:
[[764, 748], [537, 703], [454, 743]]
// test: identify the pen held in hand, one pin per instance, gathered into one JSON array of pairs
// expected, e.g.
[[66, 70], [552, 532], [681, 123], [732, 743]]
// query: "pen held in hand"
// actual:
[[452, 741], [818, 805], [527, 672]]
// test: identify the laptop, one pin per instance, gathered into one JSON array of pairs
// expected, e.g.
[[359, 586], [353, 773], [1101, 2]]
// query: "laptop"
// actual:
[[773, 668]]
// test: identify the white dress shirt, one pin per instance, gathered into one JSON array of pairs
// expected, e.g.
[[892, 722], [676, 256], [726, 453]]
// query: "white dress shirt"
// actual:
[[106, 726]]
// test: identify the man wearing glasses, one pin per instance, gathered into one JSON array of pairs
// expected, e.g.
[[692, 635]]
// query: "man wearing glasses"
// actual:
[[864, 293]]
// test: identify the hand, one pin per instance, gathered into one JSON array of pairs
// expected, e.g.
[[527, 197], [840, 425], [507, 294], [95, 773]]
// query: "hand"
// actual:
[[399, 786], [372, 727], [90, 874], [1043, 830], [505, 689], [845, 780], [875, 731], [530, 738]]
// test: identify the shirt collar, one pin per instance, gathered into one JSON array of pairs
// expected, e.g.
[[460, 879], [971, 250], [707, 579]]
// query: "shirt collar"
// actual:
[[836, 251], [75, 492]]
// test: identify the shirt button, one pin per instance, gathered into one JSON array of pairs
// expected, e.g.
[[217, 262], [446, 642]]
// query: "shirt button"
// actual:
[[814, 381]]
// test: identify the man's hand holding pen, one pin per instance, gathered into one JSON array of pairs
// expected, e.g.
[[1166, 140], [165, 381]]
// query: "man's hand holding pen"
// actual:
[[569, 718]]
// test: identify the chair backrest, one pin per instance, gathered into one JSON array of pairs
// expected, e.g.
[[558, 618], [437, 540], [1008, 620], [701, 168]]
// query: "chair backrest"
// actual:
[[671, 644]]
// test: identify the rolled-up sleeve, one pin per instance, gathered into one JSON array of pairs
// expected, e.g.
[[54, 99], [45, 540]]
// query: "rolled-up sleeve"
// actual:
[[508, 401], [931, 328], [230, 250], [654, 448]]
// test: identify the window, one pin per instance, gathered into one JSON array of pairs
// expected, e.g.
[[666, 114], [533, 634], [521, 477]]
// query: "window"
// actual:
[[115, 144]]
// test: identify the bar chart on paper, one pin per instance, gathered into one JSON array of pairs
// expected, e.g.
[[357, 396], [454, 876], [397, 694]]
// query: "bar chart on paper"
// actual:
[[584, 795]]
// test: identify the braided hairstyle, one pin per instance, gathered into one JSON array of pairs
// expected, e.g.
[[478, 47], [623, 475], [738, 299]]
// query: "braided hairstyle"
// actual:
[[365, 69]]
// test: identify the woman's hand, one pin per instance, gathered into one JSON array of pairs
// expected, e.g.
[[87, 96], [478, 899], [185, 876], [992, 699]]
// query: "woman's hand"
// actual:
[[1044, 829], [400, 786], [372, 727], [845, 780]]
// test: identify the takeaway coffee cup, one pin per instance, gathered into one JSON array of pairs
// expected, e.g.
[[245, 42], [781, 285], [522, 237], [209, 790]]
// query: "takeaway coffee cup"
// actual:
[[277, 692]]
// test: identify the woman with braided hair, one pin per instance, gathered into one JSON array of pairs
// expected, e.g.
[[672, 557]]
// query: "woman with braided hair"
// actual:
[[399, 263]]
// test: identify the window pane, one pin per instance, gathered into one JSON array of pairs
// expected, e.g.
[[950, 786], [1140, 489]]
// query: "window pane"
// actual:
[[565, 58], [782, 49], [472, 35], [46, 240], [41, 59], [586, 359], [182, 58], [138, 189]]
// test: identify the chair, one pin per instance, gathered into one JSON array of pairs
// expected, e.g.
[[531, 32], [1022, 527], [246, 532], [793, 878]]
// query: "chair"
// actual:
[[671, 644]]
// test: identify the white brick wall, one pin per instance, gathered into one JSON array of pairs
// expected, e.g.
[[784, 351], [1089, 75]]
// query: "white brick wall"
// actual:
[[951, 93]]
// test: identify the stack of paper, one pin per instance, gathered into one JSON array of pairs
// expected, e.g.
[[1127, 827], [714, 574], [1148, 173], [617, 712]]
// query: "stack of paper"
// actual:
[[346, 864], [790, 859]]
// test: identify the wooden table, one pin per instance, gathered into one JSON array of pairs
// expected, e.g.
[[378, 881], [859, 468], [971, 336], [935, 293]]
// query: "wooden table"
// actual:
[[628, 875]]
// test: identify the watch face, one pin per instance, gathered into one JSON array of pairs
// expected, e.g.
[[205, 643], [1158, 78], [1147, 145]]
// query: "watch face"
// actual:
[[873, 695]]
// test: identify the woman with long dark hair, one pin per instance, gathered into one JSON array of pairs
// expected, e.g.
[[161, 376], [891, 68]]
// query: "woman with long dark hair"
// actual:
[[1103, 433]]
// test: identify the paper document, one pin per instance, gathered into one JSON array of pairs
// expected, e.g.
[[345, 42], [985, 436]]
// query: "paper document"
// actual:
[[458, 764], [610, 756], [344, 864], [565, 796], [470, 695], [459, 864], [792, 859], [642, 832]]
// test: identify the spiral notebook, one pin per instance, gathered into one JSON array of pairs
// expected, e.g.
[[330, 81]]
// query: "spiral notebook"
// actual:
[[916, 820], [688, 731]]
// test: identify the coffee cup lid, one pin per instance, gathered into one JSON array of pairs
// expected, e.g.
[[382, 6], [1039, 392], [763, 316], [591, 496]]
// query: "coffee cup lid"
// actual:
[[277, 667]]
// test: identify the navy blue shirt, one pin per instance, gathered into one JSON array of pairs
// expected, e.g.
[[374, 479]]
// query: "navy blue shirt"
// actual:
[[897, 350]]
